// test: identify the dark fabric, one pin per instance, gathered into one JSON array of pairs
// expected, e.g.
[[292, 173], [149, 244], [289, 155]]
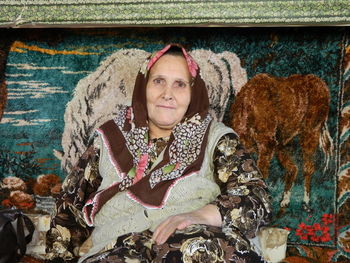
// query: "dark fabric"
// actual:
[[13, 241], [156, 195], [116, 142], [69, 204], [195, 244]]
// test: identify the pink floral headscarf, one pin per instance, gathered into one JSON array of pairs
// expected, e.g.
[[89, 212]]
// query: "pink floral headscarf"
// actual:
[[192, 65]]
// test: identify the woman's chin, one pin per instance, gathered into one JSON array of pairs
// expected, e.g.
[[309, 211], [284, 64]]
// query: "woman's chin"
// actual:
[[165, 124]]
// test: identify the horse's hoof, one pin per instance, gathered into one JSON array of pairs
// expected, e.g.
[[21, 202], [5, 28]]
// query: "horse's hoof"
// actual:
[[281, 212], [306, 207]]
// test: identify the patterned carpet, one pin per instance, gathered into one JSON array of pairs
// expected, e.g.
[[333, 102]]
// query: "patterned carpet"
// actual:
[[55, 84]]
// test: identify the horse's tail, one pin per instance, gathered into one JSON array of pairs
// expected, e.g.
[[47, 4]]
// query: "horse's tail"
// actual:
[[326, 144]]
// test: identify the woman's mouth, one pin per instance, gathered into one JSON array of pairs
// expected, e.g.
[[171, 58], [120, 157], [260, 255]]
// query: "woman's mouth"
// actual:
[[166, 107]]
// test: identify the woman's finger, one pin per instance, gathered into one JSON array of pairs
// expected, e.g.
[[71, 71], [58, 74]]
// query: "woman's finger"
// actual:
[[168, 227], [164, 230]]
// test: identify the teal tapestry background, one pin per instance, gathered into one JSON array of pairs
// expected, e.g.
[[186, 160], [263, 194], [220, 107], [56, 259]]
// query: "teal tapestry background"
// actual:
[[43, 68]]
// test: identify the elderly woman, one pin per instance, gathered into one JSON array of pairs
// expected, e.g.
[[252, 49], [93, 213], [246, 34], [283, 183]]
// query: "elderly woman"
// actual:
[[162, 181]]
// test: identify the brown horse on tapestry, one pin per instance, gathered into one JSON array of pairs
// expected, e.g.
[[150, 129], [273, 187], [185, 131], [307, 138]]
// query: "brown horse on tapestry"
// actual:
[[269, 112]]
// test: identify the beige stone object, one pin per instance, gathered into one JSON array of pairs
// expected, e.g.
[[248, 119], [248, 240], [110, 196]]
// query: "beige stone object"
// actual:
[[273, 242]]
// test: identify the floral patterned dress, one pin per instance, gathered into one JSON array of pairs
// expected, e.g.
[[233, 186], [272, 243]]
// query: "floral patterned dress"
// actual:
[[244, 205]]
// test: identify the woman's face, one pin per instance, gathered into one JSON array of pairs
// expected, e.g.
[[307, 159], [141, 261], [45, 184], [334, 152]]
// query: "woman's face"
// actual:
[[168, 92]]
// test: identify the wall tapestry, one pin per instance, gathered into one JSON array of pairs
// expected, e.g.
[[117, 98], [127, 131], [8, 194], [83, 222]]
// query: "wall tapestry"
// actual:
[[286, 91]]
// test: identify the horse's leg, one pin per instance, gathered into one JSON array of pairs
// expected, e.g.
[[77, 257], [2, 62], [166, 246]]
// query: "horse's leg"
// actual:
[[309, 143], [266, 150], [284, 155]]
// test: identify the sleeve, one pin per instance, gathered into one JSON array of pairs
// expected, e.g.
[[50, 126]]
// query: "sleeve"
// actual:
[[244, 202], [68, 229]]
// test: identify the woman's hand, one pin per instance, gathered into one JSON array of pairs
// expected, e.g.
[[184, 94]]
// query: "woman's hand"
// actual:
[[207, 215]]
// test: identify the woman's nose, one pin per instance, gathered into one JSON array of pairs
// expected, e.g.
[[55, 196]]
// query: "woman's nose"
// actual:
[[168, 94]]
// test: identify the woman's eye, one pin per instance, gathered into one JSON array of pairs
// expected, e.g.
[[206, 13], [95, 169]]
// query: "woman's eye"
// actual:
[[158, 81], [180, 84]]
